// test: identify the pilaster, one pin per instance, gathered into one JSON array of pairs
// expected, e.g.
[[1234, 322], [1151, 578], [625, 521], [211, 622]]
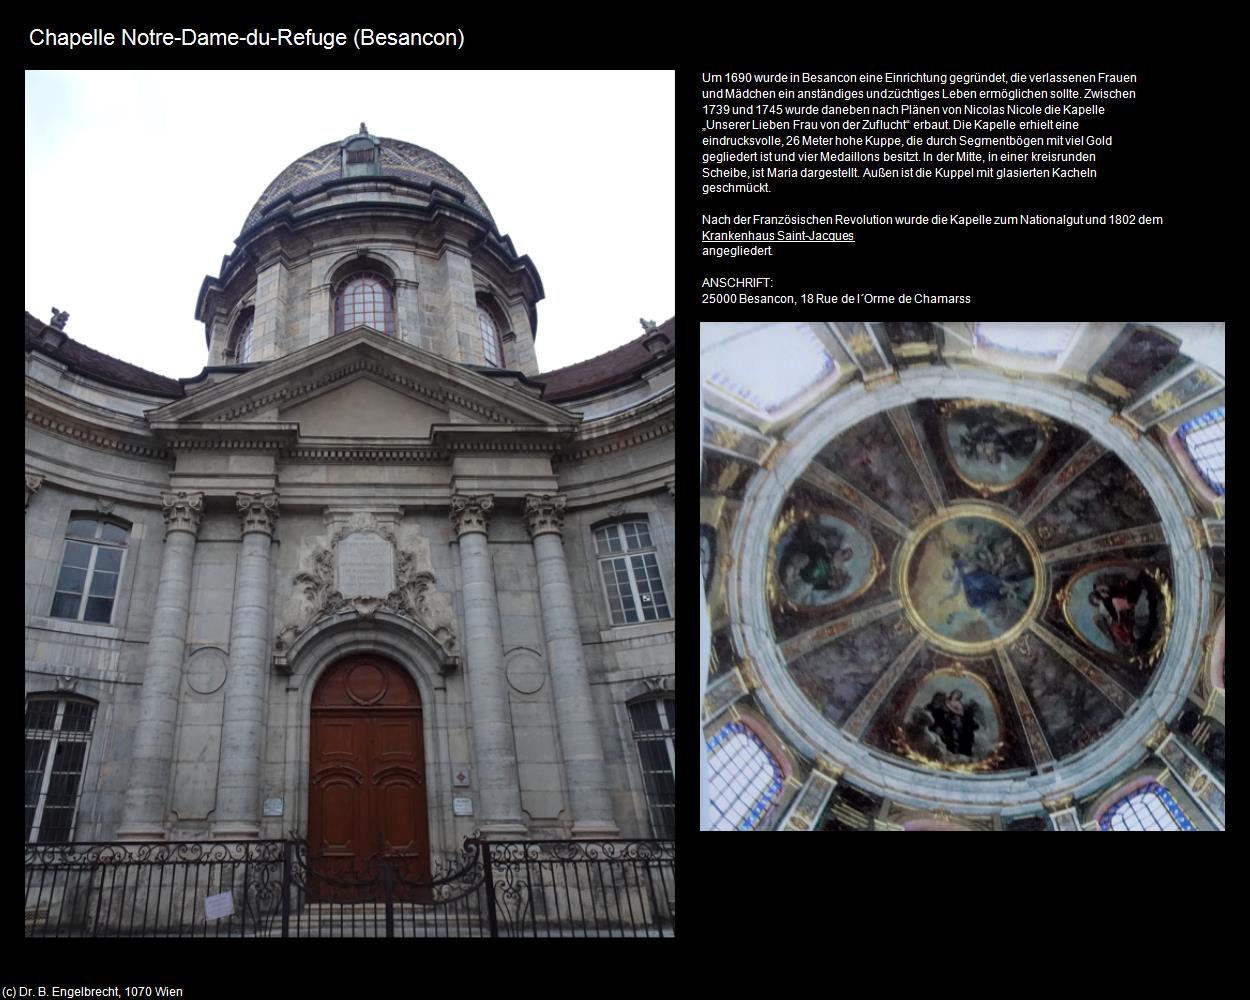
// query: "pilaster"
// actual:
[[146, 806], [580, 741]]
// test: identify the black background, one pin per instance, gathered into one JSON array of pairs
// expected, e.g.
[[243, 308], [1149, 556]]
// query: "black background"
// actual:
[[1173, 156]]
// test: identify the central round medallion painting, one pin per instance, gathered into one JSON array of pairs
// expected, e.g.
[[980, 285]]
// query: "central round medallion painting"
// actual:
[[970, 579]]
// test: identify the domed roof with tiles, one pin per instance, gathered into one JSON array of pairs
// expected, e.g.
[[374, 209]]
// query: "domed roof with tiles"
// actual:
[[404, 161]]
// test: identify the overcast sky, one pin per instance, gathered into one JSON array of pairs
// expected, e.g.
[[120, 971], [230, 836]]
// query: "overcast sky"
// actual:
[[138, 183]]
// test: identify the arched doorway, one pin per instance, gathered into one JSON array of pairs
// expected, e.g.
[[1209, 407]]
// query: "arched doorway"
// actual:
[[367, 792]]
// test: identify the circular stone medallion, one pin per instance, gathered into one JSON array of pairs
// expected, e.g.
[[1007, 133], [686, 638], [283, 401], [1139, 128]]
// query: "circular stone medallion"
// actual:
[[970, 579], [366, 683]]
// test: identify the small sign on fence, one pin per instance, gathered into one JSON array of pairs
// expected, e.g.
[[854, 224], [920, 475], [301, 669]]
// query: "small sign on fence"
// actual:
[[221, 905]]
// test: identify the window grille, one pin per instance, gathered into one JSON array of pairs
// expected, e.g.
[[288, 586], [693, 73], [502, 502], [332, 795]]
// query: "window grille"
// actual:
[[58, 735], [653, 734]]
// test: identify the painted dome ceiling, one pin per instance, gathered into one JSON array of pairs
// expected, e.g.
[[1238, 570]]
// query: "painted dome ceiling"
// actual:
[[969, 587]]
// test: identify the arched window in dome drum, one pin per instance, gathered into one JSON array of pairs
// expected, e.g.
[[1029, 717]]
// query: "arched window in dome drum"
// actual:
[[492, 347], [364, 299], [243, 337]]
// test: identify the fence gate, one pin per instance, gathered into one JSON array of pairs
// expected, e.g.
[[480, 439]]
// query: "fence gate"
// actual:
[[270, 888]]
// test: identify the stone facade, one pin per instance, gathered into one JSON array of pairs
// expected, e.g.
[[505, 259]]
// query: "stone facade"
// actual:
[[351, 493]]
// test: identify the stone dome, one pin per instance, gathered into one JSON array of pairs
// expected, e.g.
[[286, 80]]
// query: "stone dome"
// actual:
[[332, 164]]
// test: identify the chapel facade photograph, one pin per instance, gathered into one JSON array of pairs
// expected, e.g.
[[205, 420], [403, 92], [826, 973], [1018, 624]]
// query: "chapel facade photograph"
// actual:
[[369, 579]]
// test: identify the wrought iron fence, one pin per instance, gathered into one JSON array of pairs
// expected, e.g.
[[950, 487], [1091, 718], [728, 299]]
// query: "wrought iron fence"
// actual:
[[272, 888]]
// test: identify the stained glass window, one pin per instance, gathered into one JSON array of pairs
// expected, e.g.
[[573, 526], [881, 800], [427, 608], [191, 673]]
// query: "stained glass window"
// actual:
[[1148, 808], [744, 778], [1204, 440]]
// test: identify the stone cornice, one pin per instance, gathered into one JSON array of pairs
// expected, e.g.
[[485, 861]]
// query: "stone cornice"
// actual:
[[452, 438], [211, 436], [406, 452], [95, 436], [647, 420], [579, 451]]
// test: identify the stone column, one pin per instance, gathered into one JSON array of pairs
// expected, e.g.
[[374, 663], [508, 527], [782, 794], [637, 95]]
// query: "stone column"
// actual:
[[146, 805], [499, 790], [242, 733], [580, 742]]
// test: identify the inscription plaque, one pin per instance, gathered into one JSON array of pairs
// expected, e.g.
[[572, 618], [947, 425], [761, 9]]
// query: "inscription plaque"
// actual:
[[365, 565]]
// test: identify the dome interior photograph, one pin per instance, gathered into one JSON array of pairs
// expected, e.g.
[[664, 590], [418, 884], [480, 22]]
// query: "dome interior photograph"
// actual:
[[963, 576]]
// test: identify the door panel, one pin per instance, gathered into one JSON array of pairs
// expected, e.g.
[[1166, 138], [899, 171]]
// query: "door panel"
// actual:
[[367, 801]]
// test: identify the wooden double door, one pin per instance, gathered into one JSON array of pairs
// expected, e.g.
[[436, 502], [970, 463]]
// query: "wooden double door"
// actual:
[[367, 789]]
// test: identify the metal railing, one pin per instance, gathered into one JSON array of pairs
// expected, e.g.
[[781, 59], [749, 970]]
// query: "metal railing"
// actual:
[[272, 888]]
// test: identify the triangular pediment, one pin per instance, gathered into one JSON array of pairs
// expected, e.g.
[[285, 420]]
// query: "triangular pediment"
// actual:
[[363, 407], [345, 387]]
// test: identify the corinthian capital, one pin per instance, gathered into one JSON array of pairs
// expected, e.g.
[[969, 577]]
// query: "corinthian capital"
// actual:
[[544, 512], [182, 511], [257, 511], [471, 513]]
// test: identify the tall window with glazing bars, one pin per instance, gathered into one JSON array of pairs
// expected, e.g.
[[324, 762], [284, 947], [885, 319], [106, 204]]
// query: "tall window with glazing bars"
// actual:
[[91, 566], [631, 573]]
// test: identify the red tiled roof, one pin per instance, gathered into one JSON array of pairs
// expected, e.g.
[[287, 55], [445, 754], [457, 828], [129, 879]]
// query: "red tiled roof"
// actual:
[[86, 361], [607, 371]]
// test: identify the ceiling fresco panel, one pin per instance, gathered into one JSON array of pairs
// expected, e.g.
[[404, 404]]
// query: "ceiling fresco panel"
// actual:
[[1073, 714], [994, 451], [837, 676], [827, 560], [1133, 361], [871, 458], [1076, 579], [951, 714], [1104, 498]]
